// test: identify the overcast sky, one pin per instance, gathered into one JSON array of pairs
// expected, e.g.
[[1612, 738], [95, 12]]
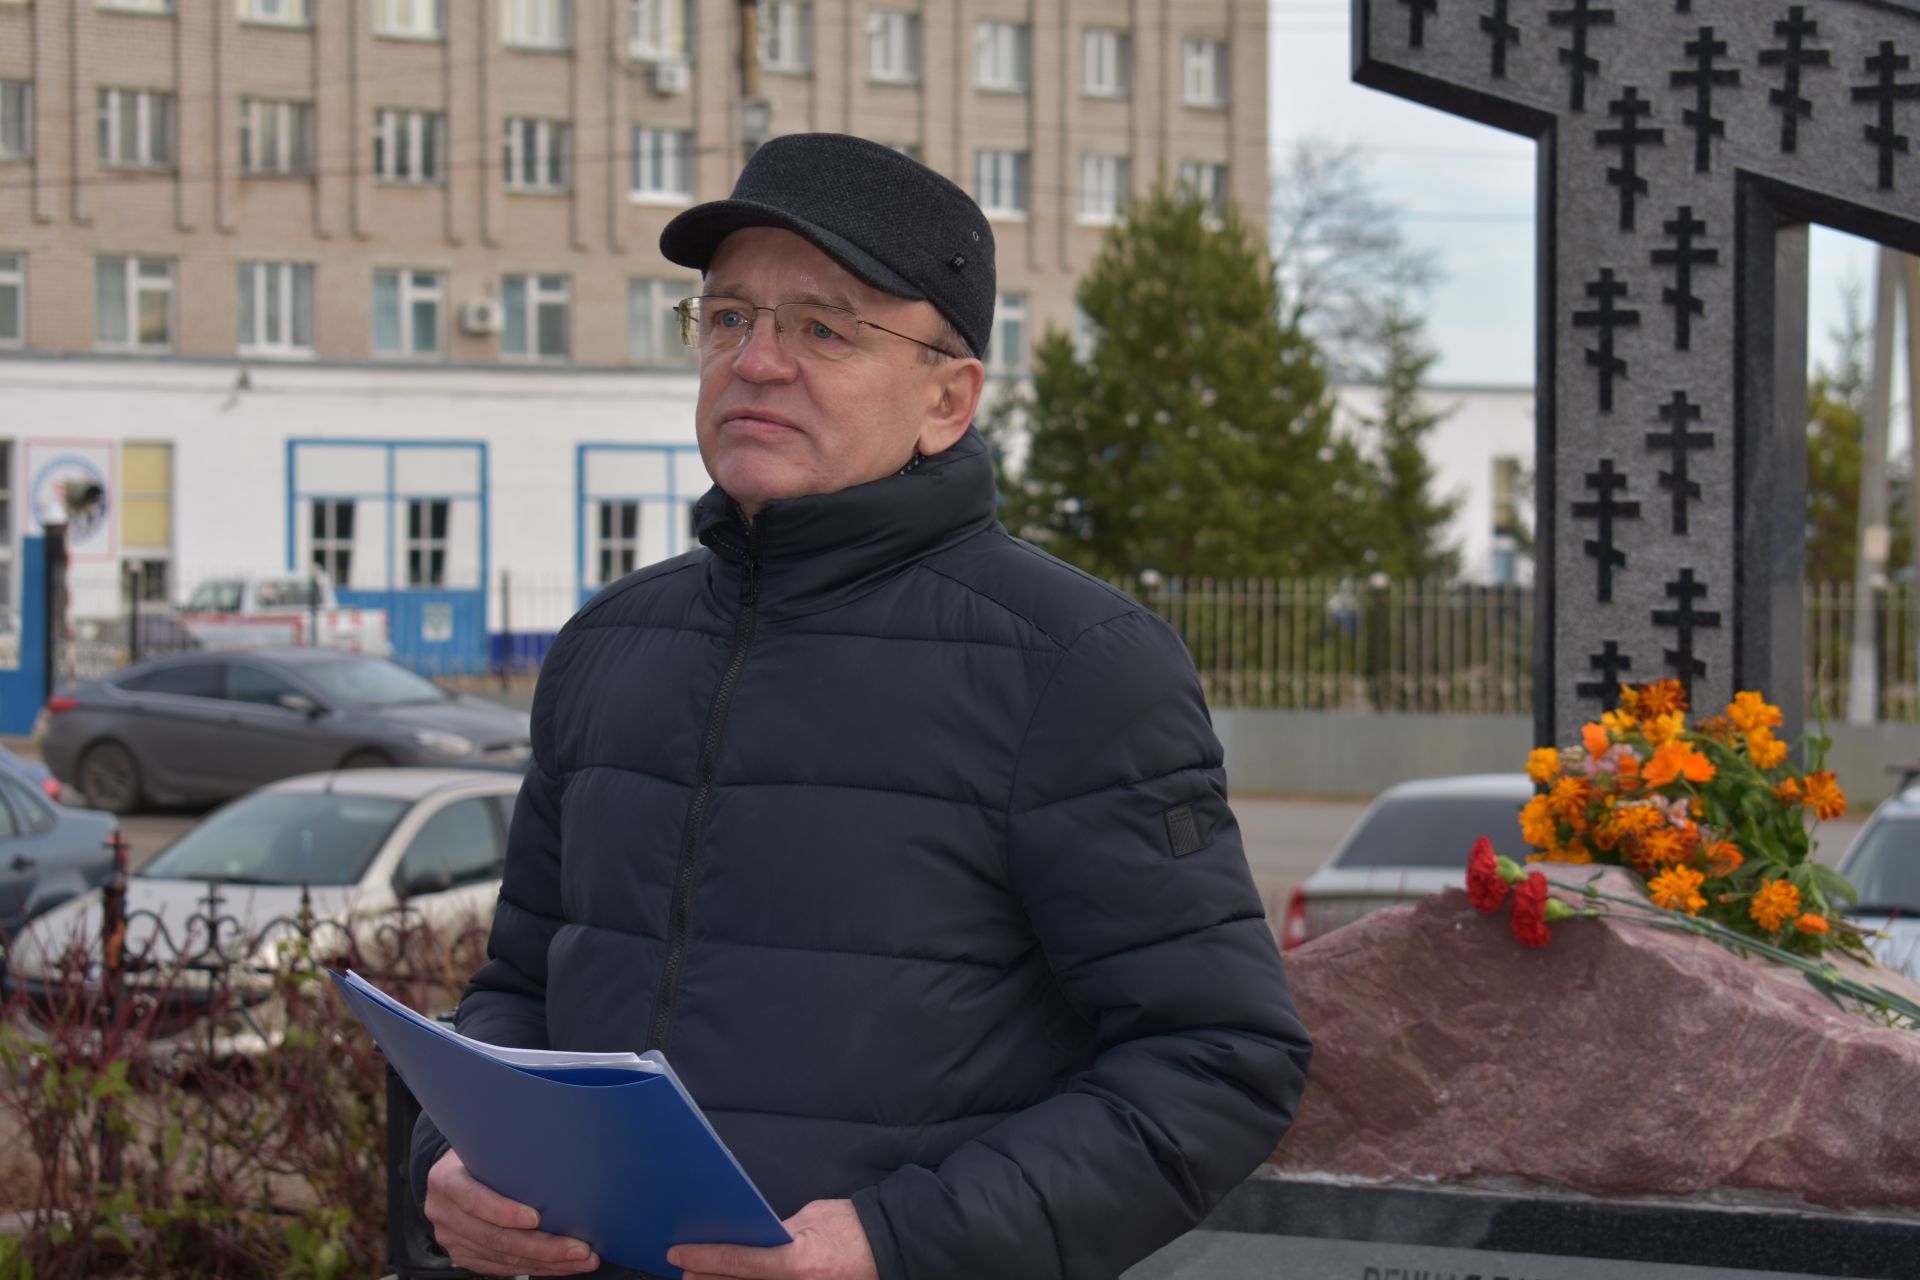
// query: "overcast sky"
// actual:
[[1467, 191]]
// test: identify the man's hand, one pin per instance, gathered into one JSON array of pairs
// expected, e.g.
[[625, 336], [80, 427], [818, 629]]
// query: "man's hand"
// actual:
[[828, 1244], [487, 1233]]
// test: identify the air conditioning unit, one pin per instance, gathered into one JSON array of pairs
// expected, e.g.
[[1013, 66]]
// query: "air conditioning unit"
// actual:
[[671, 77], [483, 315]]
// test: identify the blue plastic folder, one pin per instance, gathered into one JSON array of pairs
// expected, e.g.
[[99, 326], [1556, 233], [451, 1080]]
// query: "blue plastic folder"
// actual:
[[609, 1148]]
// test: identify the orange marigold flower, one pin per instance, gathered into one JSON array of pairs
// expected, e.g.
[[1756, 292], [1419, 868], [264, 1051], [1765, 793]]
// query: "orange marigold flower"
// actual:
[[1750, 712], [1823, 795], [1663, 844], [1543, 764], [1664, 729], [1811, 923], [1765, 750], [1677, 889], [1677, 760], [1619, 723], [1568, 799], [1594, 737], [1719, 728], [1723, 858], [1662, 697], [1774, 903], [1536, 823], [1788, 791]]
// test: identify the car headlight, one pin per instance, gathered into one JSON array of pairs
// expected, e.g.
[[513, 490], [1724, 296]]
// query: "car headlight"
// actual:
[[446, 744]]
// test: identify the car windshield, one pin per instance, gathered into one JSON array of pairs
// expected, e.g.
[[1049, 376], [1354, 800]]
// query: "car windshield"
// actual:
[[369, 682], [215, 597], [1886, 866], [276, 593], [283, 838], [1434, 831]]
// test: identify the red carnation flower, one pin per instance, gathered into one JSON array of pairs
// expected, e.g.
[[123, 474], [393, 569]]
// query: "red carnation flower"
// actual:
[[1530, 911], [1484, 884]]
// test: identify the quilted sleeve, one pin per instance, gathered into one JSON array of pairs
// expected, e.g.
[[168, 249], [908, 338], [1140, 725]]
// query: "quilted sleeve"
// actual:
[[1129, 864]]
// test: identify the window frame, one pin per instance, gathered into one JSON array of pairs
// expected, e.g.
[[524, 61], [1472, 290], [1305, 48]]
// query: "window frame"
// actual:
[[785, 44], [669, 352], [896, 32], [328, 550], [665, 17], [1116, 184], [1010, 309], [23, 95], [1204, 73], [384, 26], [552, 155], [1004, 164], [408, 293], [675, 160], [283, 277], [1120, 85], [422, 571], [135, 283], [292, 121], [156, 119], [301, 14], [14, 277], [996, 40], [513, 14], [1212, 191], [425, 134], [616, 553], [537, 292]]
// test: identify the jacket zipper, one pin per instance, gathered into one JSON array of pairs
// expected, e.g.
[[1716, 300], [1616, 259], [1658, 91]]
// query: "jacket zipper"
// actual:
[[697, 810]]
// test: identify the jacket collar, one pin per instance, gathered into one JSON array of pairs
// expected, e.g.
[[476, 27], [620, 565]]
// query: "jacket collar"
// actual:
[[815, 552]]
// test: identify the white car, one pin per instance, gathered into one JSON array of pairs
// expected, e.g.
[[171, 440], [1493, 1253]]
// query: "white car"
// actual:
[[229, 888], [1412, 841], [1884, 864]]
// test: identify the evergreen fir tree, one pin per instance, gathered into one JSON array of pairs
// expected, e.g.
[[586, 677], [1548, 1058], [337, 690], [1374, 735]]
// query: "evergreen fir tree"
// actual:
[[1410, 520]]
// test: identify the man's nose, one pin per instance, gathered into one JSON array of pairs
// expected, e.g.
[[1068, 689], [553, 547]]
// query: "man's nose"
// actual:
[[763, 357]]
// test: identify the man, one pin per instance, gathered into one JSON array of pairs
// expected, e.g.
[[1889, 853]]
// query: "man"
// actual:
[[906, 842]]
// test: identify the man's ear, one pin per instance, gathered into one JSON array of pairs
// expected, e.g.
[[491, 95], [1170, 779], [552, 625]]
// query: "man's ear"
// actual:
[[955, 392]]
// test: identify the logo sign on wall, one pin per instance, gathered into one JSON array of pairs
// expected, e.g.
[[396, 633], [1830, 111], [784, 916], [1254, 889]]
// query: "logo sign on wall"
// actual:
[[71, 482]]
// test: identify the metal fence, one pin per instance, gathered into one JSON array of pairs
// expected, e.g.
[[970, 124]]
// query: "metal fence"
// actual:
[[1329, 644]]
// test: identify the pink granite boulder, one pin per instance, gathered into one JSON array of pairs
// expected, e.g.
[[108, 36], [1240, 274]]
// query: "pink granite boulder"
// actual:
[[1619, 1060]]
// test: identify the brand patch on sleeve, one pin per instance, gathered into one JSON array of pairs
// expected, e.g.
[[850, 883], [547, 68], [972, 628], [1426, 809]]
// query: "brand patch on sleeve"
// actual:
[[1183, 833]]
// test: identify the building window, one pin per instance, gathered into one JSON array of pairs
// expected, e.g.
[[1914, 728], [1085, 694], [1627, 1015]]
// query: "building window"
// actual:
[[536, 317], [136, 129], [133, 303], [1007, 350], [653, 331], [1203, 79], [288, 13], [662, 165], [911, 150], [536, 24], [146, 513], [537, 154], [408, 309], [13, 299], [276, 308], [1104, 181], [1086, 334], [276, 137], [659, 31], [427, 541], [139, 6], [409, 19], [1000, 183], [893, 46], [409, 146], [1108, 54], [617, 550], [785, 35], [1000, 56], [332, 552], [16, 120], [1206, 182]]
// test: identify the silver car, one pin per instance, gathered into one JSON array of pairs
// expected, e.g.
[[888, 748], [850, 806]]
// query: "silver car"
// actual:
[[1883, 862], [209, 726], [1412, 841]]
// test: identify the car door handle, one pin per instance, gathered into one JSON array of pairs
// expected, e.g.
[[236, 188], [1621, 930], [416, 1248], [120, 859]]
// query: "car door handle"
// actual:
[[21, 862]]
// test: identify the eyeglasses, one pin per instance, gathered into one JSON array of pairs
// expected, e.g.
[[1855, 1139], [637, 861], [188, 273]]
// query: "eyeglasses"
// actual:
[[709, 323]]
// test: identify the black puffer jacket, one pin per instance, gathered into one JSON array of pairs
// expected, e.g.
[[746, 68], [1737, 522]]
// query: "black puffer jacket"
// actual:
[[910, 845]]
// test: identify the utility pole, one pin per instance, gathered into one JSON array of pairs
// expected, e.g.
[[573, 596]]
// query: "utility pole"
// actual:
[[1874, 537]]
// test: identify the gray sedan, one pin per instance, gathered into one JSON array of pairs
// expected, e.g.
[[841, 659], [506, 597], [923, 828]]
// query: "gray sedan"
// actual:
[[48, 853], [209, 726]]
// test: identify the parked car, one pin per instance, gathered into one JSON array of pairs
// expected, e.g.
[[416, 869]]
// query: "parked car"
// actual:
[[1413, 840], [1883, 862], [235, 612], [210, 726], [48, 852], [361, 841], [31, 772]]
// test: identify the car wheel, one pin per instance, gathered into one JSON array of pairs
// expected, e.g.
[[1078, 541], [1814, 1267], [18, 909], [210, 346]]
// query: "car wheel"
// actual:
[[367, 760], [110, 778]]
